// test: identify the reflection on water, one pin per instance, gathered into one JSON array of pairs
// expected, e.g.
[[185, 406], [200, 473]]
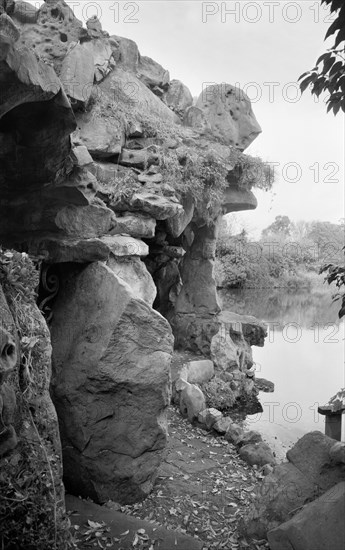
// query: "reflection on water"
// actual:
[[303, 356], [302, 307]]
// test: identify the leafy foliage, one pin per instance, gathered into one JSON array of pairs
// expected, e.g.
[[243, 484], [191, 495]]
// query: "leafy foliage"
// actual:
[[281, 225], [329, 73], [285, 256], [31, 512], [218, 394], [336, 274]]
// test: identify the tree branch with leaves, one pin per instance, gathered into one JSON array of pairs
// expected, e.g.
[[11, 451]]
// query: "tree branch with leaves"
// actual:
[[328, 75]]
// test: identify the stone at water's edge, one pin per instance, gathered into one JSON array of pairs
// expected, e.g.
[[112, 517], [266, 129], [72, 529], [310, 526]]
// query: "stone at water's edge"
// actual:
[[257, 453], [320, 525], [110, 385], [291, 485]]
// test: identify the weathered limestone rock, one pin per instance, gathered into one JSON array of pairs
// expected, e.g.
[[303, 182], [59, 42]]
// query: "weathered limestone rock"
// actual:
[[257, 453], [128, 53], [136, 225], [254, 331], [102, 57], [231, 349], [291, 485], [319, 525], [192, 400], [156, 206], [138, 158], [85, 221], [228, 111], [9, 33], [24, 12], [251, 437], [311, 455], [195, 118], [122, 86], [56, 27], [81, 156], [234, 434], [209, 417], [107, 173], [222, 425], [224, 351], [178, 223], [152, 73], [110, 385], [57, 250], [134, 273], [236, 200], [77, 73], [178, 96], [124, 245], [196, 307], [103, 138]]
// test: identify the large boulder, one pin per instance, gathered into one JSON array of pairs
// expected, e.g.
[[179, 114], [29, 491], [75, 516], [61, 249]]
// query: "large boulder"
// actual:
[[152, 73], [55, 28], [308, 474], [312, 456], [319, 525], [111, 385], [102, 138], [133, 272], [228, 111], [178, 97]]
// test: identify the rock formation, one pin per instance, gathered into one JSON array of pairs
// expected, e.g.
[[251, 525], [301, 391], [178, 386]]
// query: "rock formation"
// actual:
[[311, 470], [117, 190]]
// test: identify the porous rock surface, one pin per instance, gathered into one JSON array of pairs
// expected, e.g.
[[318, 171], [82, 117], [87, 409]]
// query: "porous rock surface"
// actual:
[[101, 136]]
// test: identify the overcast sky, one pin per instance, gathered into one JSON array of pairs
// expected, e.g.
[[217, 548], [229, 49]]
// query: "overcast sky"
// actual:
[[262, 47]]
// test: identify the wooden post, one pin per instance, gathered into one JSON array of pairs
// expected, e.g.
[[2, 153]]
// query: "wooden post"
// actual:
[[333, 426]]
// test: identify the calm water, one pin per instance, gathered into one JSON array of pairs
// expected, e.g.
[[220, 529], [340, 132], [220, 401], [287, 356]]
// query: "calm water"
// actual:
[[303, 356]]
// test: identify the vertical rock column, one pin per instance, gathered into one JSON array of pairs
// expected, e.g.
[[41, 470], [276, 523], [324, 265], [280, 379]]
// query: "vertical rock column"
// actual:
[[195, 319], [111, 385]]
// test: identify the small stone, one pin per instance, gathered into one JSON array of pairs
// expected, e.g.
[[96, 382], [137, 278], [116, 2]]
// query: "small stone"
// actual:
[[267, 469], [135, 130], [234, 434], [192, 401], [251, 437], [209, 417], [212, 417], [257, 453], [81, 156], [222, 425], [202, 416]]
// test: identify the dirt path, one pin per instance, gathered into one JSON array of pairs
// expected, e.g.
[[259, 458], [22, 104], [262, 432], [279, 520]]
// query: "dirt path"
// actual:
[[203, 488]]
